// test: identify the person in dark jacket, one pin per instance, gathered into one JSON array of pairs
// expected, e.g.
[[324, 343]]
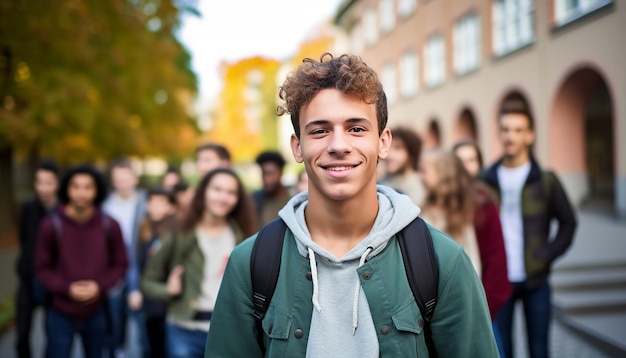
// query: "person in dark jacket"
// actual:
[[80, 256], [530, 199], [31, 293]]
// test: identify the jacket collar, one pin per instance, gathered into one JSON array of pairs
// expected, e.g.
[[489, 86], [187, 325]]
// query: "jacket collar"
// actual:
[[491, 174]]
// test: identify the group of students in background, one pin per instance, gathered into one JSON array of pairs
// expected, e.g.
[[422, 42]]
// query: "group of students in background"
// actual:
[[97, 257]]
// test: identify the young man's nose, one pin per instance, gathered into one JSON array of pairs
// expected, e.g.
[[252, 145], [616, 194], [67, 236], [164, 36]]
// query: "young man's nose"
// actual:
[[339, 143]]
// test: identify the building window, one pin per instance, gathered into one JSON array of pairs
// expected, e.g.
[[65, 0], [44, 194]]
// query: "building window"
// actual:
[[389, 83], [435, 61], [409, 74], [387, 16], [466, 44], [371, 27], [356, 39], [406, 7], [569, 10], [513, 25]]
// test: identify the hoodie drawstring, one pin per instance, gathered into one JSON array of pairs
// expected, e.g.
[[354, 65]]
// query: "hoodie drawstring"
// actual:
[[313, 264], [357, 291]]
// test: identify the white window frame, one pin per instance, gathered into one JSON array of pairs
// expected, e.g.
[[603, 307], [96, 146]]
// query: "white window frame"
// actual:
[[406, 7], [435, 61], [357, 42], [566, 11], [467, 44], [387, 16], [370, 23], [409, 74], [390, 83], [513, 25]]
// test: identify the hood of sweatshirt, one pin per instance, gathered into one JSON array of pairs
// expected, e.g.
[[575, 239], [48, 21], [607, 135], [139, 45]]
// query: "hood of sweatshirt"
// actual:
[[335, 279]]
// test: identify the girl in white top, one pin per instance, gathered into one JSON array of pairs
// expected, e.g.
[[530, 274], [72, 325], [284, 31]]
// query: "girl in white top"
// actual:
[[449, 202]]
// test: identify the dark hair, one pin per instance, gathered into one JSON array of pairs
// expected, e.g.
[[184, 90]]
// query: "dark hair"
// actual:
[[347, 73], [121, 162], [49, 165], [272, 157], [412, 142], [516, 103], [98, 178], [219, 149], [180, 186], [471, 143], [243, 213], [162, 192]]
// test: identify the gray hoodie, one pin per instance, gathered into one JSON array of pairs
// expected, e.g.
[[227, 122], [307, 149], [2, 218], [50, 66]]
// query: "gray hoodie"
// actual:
[[341, 323]]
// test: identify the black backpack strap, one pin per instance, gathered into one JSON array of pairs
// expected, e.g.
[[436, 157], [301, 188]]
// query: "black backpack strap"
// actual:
[[420, 264], [265, 264]]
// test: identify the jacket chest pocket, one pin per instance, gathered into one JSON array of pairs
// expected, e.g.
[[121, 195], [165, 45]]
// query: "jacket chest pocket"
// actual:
[[411, 334], [276, 328]]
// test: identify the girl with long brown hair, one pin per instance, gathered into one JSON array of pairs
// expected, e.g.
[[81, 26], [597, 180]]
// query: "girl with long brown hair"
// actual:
[[188, 268], [449, 202]]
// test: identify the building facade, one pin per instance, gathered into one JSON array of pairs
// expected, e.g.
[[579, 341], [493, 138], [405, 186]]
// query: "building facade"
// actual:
[[449, 67]]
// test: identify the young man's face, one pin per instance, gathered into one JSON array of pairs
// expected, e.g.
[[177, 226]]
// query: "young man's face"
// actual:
[[46, 184], [339, 144], [82, 191], [515, 134], [398, 159], [271, 174], [124, 180], [208, 160]]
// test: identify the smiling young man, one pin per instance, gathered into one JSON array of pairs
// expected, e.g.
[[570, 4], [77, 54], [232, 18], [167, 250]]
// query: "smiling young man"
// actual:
[[342, 289], [530, 199]]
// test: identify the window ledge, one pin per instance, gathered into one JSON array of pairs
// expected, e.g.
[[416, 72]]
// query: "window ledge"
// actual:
[[578, 18], [513, 51]]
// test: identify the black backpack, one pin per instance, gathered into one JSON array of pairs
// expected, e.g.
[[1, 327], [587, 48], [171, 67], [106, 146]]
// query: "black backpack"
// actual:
[[418, 254]]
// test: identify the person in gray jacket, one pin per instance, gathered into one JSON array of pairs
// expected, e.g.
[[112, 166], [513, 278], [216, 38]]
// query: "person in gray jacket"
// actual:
[[342, 289]]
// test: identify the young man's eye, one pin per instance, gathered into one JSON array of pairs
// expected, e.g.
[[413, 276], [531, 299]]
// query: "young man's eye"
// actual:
[[318, 131], [357, 129]]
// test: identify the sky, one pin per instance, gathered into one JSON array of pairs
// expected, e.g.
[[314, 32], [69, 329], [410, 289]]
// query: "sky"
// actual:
[[231, 30]]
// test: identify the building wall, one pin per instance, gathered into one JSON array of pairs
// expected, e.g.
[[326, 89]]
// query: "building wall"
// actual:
[[540, 71]]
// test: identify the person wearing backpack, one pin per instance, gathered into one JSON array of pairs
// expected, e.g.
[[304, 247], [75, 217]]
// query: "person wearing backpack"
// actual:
[[342, 288], [80, 256]]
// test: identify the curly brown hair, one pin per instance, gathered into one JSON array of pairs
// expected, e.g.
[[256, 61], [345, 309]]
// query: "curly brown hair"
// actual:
[[347, 73], [454, 193]]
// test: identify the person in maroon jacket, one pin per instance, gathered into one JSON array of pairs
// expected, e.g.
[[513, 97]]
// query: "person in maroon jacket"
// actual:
[[80, 255], [489, 236]]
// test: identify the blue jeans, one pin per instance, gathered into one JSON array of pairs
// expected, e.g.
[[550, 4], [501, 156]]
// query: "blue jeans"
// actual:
[[119, 315], [60, 331], [183, 343], [537, 310]]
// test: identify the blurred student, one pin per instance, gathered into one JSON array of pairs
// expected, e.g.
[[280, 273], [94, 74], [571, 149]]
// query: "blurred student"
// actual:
[[31, 293], [160, 221], [449, 202], [187, 269], [303, 181], [80, 256], [273, 195], [402, 163], [170, 178], [210, 156], [530, 200], [127, 205]]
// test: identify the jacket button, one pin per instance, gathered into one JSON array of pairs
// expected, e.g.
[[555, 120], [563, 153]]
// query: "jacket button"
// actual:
[[309, 276], [298, 333], [367, 275], [420, 322], [384, 330]]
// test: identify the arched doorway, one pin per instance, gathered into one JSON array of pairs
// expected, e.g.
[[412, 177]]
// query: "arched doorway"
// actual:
[[465, 128], [432, 139], [581, 138]]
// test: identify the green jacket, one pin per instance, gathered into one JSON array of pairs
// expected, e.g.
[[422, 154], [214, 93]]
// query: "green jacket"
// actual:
[[178, 249], [543, 200], [461, 326]]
